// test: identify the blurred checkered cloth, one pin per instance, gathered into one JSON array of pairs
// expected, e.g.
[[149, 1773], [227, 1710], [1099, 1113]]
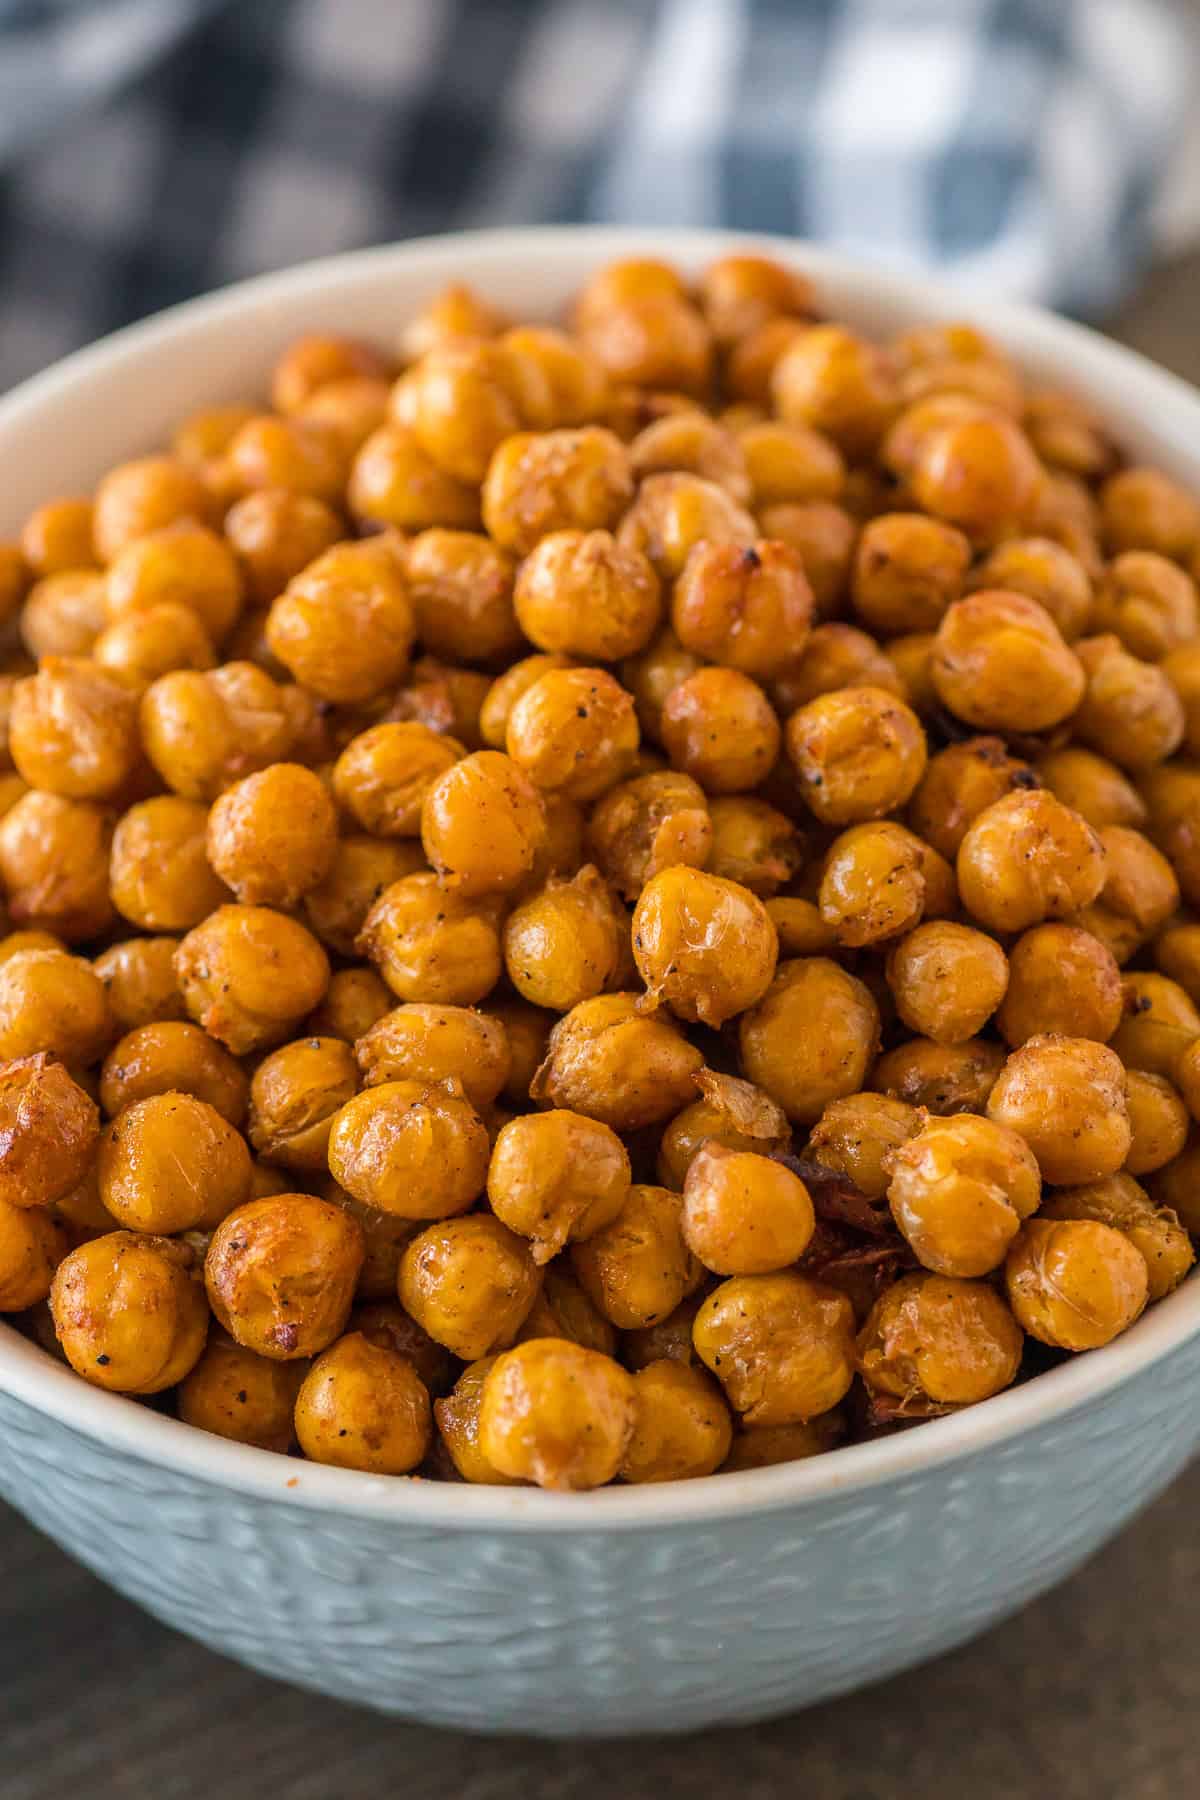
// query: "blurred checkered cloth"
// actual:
[[151, 149]]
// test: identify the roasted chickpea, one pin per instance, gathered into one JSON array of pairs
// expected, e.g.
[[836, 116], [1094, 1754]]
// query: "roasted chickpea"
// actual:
[[932, 1338], [482, 823], [838, 384], [857, 1135], [1044, 571], [457, 1417], [781, 1345], [418, 1150], [363, 868], [172, 1056], [160, 876], [612, 1061], [907, 570], [203, 730], [999, 661], [790, 464], [1143, 509], [427, 1044], [668, 1341], [655, 340], [310, 363], [129, 1312], [48, 1132], [280, 1274], [294, 1096], [873, 883], [171, 1163], [583, 593], [236, 1394], [53, 1002], [274, 533], [1026, 858], [182, 564], [73, 730], [1175, 1185], [271, 838], [1130, 709], [980, 474], [858, 753], [394, 481], [456, 312], [637, 1268], [556, 1177], [470, 1283], [719, 727], [732, 1113], [836, 656], [738, 293], [557, 1414], [703, 945], [1139, 895], [1148, 602], [674, 513], [139, 978], [363, 1405], [542, 482], [573, 732], [344, 626], [690, 442], [811, 1038], [752, 843], [947, 980], [137, 498], [462, 589], [653, 675], [461, 401], [447, 699], [766, 1446], [748, 608], [1093, 786], [1177, 953], [349, 410], [1062, 979], [682, 1428], [248, 976], [574, 383], [293, 453], [1153, 1230], [750, 364], [54, 856], [643, 826], [744, 1214], [567, 942], [1065, 433], [433, 945], [64, 614], [138, 649], [57, 536], [1158, 1024], [1066, 1097], [1075, 1283], [824, 535], [383, 775], [960, 1188], [32, 1244]]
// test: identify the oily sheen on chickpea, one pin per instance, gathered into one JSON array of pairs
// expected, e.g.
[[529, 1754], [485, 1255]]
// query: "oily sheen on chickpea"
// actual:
[[601, 900]]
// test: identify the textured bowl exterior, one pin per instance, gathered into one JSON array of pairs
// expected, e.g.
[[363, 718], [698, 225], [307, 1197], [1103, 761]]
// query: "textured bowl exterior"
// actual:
[[600, 1633]]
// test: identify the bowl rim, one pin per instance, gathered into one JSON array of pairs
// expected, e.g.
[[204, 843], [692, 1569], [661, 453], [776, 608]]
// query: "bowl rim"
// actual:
[[1168, 411]]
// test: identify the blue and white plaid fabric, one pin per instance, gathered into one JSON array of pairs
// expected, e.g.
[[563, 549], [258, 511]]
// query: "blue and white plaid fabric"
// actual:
[[151, 149]]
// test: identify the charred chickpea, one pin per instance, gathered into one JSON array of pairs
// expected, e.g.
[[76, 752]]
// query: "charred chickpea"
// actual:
[[248, 975], [363, 868], [582, 593], [1000, 662], [53, 1002], [1066, 1097], [1026, 858], [139, 978], [48, 1132], [160, 875], [907, 570], [645, 825], [675, 512], [470, 1283], [824, 536], [172, 1056], [943, 1078], [781, 1345], [64, 614], [1158, 1117], [812, 1037], [462, 591], [137, 498], [839, 384], [719, 727], [54, 862], [435, 1043], [541, 482], [236, 1394], [980, 474], [1093, 786], [204, 730], [637, 1269], [859, 752], [573, 732], [415, 1149], [363, 1405], [57, 536], [275, 533], [1061, 979], [752, 843], [744, 1214], [1143, 509], [1130, 709], [183, 563], [1159, 1023], [294, 1095], [1075, 1283], [1149, 602], [430, 944], [556, 1177], [960, 1188], [171, 1163], [567, 942], [1043, 571], [873, 883], [691, 442], [138, 649], [1123, 1204], [836, 656], [129, 1311], [732, 1113], [73, 730], [1139, 895], [32, 1244], [947, 980], [935, 1339], [611, 1060], [856, 1137], [482, 823], [682, 1427], [556, 1414], [271, 838], [280, 1274], [344, 626], [747, 608]]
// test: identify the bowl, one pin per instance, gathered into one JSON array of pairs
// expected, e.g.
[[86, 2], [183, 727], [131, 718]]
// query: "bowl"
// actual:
[[643, 1609]]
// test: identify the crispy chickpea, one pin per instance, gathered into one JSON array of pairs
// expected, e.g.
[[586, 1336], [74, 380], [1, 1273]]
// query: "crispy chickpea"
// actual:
[[32, 1244], [857, 1135], [275, 533], [1149, 602], [573, 732], [947, 980], [137, 649], [526, 1031], [1172, 795], [858, 752], [643, 826], [750, 364], [426, 1044], [73, 730], [933, 1338], [583, 593], [470, 1283], [732, 1113], [48, 1132], [673, 513], [768, 1445], [384, 1321], [310, 363], [293, 453], [999, 661], [295, 1093], [57, 536], [691, 442], [461, 401], [280, 1274], [1093, 786], [1026, 858], [393, 481], [748, 608], [824, 536], [54, 856], [1177, 953], [385, 1239], [557, 1177], [349, 409], [1139, 895], [137, 498], [456, 312], [139, 978], [744, 1214], [912, 658], [462, 590], [362, 870], [1130, 709], [1124, 1205], [873, 883], [1182, 668], [542, 482], [236, 1394], [958, 783], [836, 656], [704, 946], [1075, 1283], [172, 1056], [160, 876], [184, 564], [811, 1038], [418, 1150], [13, 942], [907, 570], [1158, 1024], [1176, 1185], [204, 729], [64, 614], [839, 384], [1143, 509], [271, 838], [575, 385], [129, 1311], [1066, 434], [567, 942], [738, 293], [653, 675], [943, 1078], [1066, 1097], [383, 775], [781, 1345], [1044, 571], [363, 1405], [654, 340], [752, 843], [790, 464], [980, 474], [171, 1163], [668, 1341], [457, 1416], [248, 976], [1061, 979], [637, 1269], [960, 1188], [682, 1428], [612, 1061], [433, 945], [344, 626], [447, 699], [482, 823], [719, 727], [508, 688], [556, 1414], [53, 1002]]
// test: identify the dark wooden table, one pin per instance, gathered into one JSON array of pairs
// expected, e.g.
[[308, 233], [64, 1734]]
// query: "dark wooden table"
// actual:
[[1092, 1694]]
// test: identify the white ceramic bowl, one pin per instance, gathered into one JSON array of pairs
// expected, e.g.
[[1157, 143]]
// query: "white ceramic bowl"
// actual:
[[631, 1609]]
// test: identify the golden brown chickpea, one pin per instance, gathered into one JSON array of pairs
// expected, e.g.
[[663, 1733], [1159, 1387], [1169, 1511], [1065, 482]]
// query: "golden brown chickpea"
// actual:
[[32, 1244], [160, 875], [609, 1059], [748, 608], [732, 1113], [271, 838], [310, 363], [738, 293], [383, 775], [269, 452], [935, 1338], [752, 843], [1143, 509], [363, 868], [1177, 953], [418, 1150], [14, 942], [654, 340], [280, 1274], [556, 1414], [943, 1078], [73, 730], [462, 589], [768, 1445], [1075, 1283], [873, 883], [575, 385], [1182, 668], [692, 443], [858, 753], [447, 699], [791, 464], [568, 942], [275, 533], [248, 976], [64, 614], [1066, 1097], [1153, 1230], [456, 312], [1176, 1186], [385, 1239], [653, 675], [582, 592], [508, 688], [960, 1189], [54, 856], [1172, 795], [980, 474], [573, 732], [57, 536], [1065, 433], [362, 1405], [1043, 571], [673, 513], [461, 401], [1061, 979], [811, 1038], [457, 1417], [470, 1283], [349, 410], [48, 1132], [999, 661], [557, 1177], [856, 1137], [15, 577], [171, 1163], [203, 730], [129, 1312], [236, 1394], [781, 1346], [54, 1002], [751, 363], [344, 626], [1026, 858], [645, 825], [670, 1340], [1158, 1024], [542, 482], [719, 727], [637, 1269], [139, 978], [839, 384], [426, 1044], [1130, 709], [1093, 786], [384, 1321], [433, 945], [1158, 1118], [947, 980], [744, 1214], [482, 823], [184, 564], [172, 1056], [836, 656], [137, 498], [824, 535], [526, 1030], [137, 649], [1139, 895], [704, 946], [1148, 602], [907, 570], [912, 659], [682, 1428], [393, 481], [563, 1310], [294, 1095]]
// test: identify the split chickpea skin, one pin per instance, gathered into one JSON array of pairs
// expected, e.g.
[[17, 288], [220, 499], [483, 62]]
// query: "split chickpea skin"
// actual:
[[601, 902]]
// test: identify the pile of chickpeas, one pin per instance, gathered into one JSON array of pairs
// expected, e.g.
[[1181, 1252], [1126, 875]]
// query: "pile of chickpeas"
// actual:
[[601, 903]]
